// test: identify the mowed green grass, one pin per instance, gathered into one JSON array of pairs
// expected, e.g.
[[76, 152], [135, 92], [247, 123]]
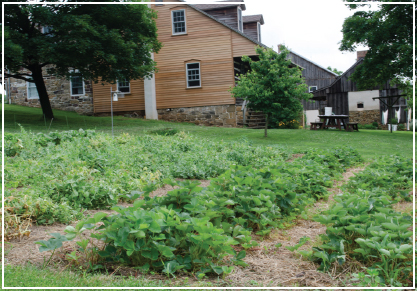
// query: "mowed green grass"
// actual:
[[32, 276], [370, 143]]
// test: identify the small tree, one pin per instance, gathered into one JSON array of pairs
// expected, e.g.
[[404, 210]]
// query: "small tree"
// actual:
[[273, 85]]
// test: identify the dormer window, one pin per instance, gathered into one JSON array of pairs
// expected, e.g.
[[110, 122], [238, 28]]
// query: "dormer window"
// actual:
[[239, 19], [178, 22], [259, 32]]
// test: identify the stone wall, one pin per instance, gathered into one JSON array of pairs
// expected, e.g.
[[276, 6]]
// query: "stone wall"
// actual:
[[59, 95], [220, 115], [365, 117]]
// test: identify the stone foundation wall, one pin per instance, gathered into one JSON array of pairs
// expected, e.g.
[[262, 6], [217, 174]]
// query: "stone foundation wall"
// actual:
[[59, 95], [365, 117], [219, 115]]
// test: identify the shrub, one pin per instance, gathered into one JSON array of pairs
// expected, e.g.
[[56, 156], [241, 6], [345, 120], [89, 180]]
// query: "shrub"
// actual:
[[367, 126], [293, 124], [393, 121]]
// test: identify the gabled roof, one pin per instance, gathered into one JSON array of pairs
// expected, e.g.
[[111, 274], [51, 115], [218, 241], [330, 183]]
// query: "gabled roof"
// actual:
[[220, 6], [254, 18], [327, 70], [337, 79], [221, 22]]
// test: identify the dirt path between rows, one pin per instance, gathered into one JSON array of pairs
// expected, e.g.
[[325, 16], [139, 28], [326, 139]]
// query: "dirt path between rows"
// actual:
[[269, 266]]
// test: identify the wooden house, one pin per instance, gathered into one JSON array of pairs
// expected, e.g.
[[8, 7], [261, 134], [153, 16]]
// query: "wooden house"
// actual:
[[196, 66], [345, 98]]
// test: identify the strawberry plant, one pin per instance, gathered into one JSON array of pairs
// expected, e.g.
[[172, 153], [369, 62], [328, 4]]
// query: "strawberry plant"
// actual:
[[363, 225]]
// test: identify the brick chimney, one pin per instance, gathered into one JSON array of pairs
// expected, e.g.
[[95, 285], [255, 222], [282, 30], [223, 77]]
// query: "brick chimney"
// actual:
[[361, 54]]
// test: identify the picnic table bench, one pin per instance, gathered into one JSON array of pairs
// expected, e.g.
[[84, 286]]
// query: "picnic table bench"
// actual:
[[337, 121]]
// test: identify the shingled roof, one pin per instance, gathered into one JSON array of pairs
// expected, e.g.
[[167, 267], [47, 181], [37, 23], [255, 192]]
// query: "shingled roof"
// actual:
[[253, 18], [228, 26], [220, 6]]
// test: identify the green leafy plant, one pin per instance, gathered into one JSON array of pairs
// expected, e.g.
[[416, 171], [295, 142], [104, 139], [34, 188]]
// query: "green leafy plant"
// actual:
[[52, 244], [393, 121], [363, 225], [302, 242]]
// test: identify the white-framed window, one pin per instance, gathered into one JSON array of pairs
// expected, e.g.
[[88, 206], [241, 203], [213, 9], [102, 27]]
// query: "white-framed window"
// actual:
[[77, 86], [239, 19], [259, 32], [32, 92], [312, 89], [123, 86], [159, 1], [193, 75], [178, 22]]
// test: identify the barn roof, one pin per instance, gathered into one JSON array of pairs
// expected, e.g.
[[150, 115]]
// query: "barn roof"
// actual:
[[327, 70], [322, 91]]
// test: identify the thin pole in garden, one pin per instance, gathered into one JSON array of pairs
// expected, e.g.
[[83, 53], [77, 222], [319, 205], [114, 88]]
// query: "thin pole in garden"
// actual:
[[111, 109], [51, 124], [113, 97]]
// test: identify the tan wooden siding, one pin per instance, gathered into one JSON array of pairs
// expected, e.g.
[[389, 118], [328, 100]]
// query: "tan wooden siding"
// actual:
[[131, 102], [242, 46], [207, 42]]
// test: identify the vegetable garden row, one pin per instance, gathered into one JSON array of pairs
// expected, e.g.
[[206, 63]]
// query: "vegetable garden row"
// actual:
[[199, 230]]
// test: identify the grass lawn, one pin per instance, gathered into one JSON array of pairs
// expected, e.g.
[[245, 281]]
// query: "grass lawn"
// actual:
[[32, 276], [370, 143]]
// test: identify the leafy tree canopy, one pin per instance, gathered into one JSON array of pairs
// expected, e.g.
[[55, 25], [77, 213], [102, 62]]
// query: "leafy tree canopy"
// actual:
[[273, 85], [97, 42], [388, 32], [334, 70]]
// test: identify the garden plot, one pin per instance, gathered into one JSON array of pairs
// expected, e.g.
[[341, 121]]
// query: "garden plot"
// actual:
[[255, 212]]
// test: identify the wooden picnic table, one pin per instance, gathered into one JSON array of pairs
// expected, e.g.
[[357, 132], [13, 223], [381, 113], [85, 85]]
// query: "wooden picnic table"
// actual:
[[334, 121]]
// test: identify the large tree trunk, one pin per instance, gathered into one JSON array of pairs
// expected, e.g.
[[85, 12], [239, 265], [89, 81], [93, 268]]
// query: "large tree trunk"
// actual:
[[266, 124], [43, 94]]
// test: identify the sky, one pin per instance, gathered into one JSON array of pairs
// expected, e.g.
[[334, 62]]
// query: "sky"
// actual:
[[310, 28]]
